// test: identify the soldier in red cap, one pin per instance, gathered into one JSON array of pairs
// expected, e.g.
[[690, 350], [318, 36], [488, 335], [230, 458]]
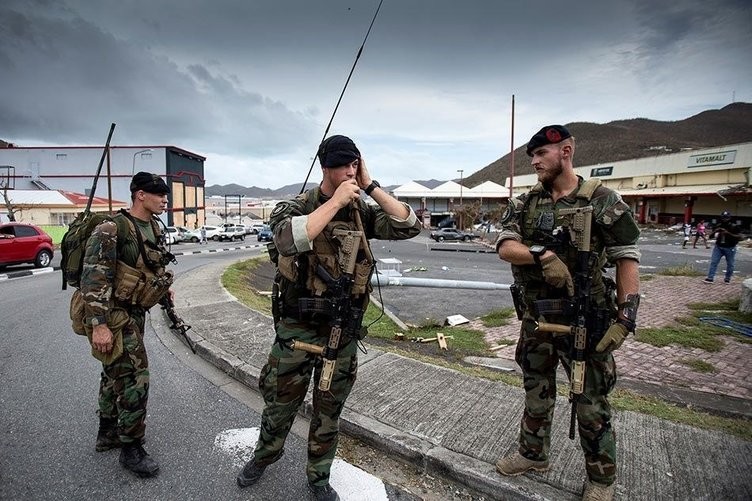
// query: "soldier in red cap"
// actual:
[[544, 262]]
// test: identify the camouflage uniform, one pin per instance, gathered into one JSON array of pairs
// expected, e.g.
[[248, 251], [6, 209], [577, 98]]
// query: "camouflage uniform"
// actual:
[[124, 383], [285, 378], [531, 219]]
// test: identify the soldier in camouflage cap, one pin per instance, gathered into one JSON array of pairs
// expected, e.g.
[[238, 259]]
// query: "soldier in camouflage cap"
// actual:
[[543, 264], [115, 314], [304, 240]]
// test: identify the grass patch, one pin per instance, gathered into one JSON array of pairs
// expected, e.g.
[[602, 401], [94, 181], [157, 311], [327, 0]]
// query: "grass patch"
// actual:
[[691, 332], [689, 337], [497, 318], [236, 280], [697, 365], [646, 278], [629, 401], [465, 341], [684, 270]]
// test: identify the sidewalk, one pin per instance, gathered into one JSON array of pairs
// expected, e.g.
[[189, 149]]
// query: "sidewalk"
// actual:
[[457, 426]]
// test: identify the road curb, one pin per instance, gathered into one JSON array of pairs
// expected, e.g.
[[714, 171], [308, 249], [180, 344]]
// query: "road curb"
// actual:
[[26, 273]]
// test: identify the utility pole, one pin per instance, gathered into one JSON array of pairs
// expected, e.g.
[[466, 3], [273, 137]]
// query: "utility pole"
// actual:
[[511, 166], [461, 207]]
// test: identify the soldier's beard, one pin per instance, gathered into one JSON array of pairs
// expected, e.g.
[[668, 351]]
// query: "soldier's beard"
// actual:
[[548, 175]]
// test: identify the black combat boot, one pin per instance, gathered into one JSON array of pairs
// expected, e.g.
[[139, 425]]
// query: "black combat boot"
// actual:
[[252, 472], [323, 492], [133, 457], [107, 436]]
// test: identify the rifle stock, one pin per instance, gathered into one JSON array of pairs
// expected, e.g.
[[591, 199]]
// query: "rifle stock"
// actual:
[[580, 227]]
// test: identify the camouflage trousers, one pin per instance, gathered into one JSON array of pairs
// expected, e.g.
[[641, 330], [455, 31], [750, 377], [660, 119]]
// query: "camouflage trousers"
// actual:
[[284, 383], [124, 385], [538, 354]]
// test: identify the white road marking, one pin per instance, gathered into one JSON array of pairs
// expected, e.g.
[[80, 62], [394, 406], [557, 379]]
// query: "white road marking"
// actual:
[[351, 483]]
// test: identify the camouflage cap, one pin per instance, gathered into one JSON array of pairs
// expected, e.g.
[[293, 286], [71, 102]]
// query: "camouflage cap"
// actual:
[[150, 183]]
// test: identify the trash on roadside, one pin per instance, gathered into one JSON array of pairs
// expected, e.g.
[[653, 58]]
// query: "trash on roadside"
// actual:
[[456, 320]]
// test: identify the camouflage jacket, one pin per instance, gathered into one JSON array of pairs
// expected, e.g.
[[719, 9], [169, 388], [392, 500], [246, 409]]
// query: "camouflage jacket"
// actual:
[[288, 224], [532, 218], [103, 251]]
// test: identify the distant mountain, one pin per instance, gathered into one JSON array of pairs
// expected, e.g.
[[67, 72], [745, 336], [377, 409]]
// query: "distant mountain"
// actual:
[[636, 138], [285, 192]]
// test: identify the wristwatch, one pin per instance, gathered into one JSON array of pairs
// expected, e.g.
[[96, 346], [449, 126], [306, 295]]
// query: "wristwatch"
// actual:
[[537, 251], [374, 184]]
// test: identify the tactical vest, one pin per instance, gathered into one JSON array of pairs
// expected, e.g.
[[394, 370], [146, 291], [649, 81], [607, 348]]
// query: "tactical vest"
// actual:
[[297, 277], [145, 282], [541, 224]]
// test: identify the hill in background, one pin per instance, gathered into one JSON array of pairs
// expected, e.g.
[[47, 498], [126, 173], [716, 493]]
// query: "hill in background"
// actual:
[[596, 144], [636, 138]]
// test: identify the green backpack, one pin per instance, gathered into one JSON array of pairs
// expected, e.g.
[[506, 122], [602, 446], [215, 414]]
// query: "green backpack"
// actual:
[[73, 245]]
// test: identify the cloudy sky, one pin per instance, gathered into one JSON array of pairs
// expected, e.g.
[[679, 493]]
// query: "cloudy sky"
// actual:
[[251, 84]]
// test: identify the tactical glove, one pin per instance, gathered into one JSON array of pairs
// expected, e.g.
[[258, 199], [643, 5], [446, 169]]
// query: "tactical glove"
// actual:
[[556, 273], [613, 338]]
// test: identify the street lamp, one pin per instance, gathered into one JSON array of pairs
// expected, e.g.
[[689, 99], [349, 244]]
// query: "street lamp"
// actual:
[[133, 165]]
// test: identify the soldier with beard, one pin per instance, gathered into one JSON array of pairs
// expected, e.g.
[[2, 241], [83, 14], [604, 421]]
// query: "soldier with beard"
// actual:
[[543, 264]]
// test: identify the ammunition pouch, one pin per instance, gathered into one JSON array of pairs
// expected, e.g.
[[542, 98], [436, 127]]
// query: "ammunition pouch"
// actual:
[[362, 278], [140, 288], [543, 307]]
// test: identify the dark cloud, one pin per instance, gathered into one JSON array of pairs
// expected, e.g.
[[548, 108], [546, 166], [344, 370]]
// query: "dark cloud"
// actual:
[[69, 79]]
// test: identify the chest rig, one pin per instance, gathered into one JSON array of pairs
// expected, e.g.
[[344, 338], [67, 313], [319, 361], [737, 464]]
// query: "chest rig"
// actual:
[[542, 224], [144, 282], [305, 284]]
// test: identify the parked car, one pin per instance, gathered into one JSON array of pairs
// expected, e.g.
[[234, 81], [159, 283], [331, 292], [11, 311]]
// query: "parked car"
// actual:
[[212, 233], [173, 235], [256, 227], [452, 234], [231, 232], [192, 236], [25, 243], [264, 234]]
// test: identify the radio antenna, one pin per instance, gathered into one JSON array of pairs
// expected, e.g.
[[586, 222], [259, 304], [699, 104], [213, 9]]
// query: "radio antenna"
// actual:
[[360, 51]]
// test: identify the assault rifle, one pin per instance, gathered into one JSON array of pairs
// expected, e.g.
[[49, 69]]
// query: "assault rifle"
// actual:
[[580, 226], [341, 308], [168, 305]]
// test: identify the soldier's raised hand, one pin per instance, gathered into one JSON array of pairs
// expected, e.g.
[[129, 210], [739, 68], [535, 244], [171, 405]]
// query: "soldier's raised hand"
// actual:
[[346, 193]]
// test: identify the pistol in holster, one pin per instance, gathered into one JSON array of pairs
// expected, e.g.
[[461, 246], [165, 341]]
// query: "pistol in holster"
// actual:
[[519, 306]]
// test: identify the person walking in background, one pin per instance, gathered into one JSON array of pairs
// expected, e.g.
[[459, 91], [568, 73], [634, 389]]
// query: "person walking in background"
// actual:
[[700, 233], [543, 265], [687, 232], [203, 235], [727, 236]]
